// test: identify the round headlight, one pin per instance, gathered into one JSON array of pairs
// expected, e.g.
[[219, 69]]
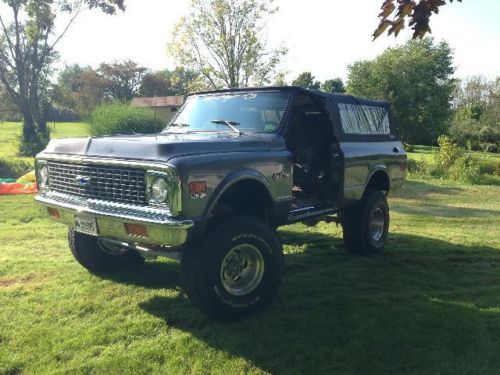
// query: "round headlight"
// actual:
[[43, 177], [159, 190]]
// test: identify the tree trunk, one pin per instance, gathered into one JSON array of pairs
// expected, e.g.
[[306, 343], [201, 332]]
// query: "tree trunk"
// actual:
[[35, 133], [29, 127]]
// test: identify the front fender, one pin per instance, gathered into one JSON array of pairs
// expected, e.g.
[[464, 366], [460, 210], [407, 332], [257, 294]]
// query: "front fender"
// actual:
[[230, 180]]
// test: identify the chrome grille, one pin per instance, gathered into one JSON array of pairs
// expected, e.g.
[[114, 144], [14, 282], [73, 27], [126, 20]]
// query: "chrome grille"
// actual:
[[99, 182]]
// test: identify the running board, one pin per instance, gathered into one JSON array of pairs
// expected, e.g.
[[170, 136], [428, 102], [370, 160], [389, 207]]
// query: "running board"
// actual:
[[308, 212]]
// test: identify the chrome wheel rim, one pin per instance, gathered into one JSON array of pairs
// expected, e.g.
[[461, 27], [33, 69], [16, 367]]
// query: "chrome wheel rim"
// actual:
[[376, 225], [242, 269]]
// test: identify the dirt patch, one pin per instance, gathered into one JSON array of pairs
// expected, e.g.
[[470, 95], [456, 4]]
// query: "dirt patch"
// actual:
[[26, 281]]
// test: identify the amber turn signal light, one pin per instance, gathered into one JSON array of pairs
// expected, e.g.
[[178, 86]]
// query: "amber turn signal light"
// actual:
[[198, 187], [136, 230]]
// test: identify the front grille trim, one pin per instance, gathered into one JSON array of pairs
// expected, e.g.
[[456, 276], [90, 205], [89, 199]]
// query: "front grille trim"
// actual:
[[107, 183]]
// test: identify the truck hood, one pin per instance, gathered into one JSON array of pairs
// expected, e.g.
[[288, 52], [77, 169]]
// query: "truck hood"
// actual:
[[163, 147]]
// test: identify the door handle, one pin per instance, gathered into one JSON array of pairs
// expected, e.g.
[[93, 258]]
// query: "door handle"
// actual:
[[395, 149]]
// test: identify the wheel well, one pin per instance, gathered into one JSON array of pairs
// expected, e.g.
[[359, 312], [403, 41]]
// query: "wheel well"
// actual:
[[379, 181], [245, 196]]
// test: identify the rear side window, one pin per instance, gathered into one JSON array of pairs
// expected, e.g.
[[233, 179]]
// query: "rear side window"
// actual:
[[364, 119]]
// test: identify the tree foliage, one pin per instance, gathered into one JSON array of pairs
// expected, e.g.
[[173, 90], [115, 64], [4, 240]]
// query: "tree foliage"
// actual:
[[476, 123], [28, 40], [335, 85], [418, 14], [416, 80], [224, 41], [122, 80], [307, 81], [179, 81], [79, 89]]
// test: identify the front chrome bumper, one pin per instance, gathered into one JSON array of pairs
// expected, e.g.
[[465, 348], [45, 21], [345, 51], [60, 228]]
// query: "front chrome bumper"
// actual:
[[111, 219]]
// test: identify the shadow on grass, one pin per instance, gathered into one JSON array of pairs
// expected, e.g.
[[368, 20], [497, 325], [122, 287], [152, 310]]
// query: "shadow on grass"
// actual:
[[424, 305], [417, 189], [434, 210]]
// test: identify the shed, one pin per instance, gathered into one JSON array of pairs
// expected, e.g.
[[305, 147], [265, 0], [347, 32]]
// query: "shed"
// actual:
[[164, 107]]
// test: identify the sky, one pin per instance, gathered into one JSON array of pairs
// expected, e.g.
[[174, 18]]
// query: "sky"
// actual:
[[323, 36]]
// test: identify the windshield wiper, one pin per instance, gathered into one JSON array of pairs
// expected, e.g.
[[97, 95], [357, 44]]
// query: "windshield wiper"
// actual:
[[175, 125], [228, 123]]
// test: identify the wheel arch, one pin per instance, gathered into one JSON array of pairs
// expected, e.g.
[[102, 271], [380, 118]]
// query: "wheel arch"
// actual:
[[243, 191], [378, 180]]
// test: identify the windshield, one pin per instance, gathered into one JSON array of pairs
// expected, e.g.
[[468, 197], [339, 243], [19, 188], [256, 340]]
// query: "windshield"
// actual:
[[255, 112]]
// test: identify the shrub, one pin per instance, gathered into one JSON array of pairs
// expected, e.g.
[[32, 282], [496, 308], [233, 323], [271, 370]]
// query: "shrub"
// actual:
[[14, 168], [111, 119], [466, 169], [451, 162], [448, 153], [417, 167], [408, 147], [489, 147]]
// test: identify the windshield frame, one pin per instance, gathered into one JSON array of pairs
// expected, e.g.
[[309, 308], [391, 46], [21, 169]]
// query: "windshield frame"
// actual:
[[286, 108]]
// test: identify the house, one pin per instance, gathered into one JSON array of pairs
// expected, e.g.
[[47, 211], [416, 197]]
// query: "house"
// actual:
[[164, 107]]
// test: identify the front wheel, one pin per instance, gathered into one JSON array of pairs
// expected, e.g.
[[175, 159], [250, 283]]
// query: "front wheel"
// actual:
[[365, 226], [99, 256], [237, 269]]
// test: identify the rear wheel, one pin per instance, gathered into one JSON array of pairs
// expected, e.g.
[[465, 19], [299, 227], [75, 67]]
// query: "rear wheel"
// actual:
[[365, 226], [237, 269], [98, 255]]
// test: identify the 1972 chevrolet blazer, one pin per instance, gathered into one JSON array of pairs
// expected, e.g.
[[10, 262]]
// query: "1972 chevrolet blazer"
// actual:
[[214, 185]]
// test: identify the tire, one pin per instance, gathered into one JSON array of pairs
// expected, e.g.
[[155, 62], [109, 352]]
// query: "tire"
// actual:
[[237, 269], [365, 226], [92, 255]]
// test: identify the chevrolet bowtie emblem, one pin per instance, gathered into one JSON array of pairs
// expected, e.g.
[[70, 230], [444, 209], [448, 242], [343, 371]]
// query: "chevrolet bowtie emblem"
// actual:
[[83, 180]]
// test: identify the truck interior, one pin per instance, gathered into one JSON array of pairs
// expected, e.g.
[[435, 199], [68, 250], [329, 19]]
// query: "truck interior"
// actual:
[[310, 138]]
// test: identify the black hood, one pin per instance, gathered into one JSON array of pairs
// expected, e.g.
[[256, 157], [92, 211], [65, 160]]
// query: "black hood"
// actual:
[[163, 147]]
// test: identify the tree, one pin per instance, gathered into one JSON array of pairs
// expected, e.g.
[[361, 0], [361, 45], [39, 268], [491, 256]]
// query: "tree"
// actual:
[[335, 85], [28, 39], [184, 81], [224, 41], [80, 89], [156, 84], [416, 80], [122, 79], [171, 82], [306, 81], [476, 123], [418, 13]]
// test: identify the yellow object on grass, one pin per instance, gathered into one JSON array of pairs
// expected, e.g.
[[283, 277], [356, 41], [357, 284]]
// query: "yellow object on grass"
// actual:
[[27, 178]]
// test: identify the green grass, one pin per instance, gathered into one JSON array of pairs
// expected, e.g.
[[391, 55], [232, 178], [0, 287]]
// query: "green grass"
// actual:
[[12, 165], [429, 304]]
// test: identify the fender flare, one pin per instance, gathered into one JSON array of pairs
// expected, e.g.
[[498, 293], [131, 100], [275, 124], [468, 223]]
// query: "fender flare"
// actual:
[[229, 181], [379, 168]]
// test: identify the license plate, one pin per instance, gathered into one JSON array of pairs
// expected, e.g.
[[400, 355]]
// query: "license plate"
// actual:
[[86, 224]]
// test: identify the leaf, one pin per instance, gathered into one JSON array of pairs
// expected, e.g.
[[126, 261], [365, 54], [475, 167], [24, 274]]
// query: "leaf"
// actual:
[[397, 27], [381, 28], [387, 9]]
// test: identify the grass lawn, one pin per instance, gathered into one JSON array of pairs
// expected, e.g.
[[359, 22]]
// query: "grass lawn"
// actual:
[[429, 304], [10, 131]]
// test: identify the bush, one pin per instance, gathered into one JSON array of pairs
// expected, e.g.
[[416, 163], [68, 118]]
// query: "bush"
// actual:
[[417, 167], [489, 147], [111, 119], [14, 168], [451, 162], [448, 153], [408, 147], [480, 137]]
